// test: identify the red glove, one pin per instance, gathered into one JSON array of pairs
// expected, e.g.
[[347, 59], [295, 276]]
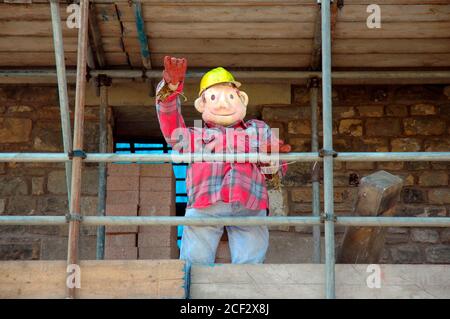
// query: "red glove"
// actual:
[[283, 148], [174, 70]]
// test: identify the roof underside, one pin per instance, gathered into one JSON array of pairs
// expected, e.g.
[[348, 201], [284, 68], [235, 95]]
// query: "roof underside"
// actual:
[[237, 34]]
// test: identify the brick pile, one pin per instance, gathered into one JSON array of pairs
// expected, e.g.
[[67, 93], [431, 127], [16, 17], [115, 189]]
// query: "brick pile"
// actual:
[[140, 190]]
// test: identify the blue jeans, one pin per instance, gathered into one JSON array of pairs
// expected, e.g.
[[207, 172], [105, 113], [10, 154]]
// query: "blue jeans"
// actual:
[[248, 244]]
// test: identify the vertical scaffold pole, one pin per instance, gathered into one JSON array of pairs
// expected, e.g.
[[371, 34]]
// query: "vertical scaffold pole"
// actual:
[[103, 84], [328, 152], [313, 92], [75, 211], [62, 87]]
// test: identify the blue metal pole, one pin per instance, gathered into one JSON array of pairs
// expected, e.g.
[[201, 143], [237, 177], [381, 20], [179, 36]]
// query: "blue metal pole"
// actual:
[[328, 148]]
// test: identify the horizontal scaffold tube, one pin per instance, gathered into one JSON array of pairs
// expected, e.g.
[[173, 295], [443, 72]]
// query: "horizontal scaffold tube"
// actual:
[[437, 75], [249, 157], [393, 221], [229, 221]]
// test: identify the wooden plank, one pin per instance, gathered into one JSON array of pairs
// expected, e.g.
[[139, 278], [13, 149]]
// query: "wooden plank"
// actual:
[[109, 28], [112, 44], [284, 46], [95, 37], [220, 46], [378, 194], [48, 59], [41, 11], [223, 13], [32, 28], [44, 28], [241, 12], [78, 133], [253, 30], [297, 281], [232, 60], [316, 49], [214, 2], [391, 30], [391, 60], [397, 13], [268, 2], [45, 44], [116, 58], [34, 59], [353, 46], [259, 2], [34, 44], [99, 279], [142, 37], [106, 12], [384, 2]]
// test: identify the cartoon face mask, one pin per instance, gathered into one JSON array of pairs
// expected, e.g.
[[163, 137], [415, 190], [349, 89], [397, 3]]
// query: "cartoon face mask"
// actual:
[[222, 104]]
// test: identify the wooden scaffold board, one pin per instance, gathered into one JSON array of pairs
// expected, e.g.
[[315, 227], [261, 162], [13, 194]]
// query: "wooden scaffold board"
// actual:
[[99, 279], [304, 281]]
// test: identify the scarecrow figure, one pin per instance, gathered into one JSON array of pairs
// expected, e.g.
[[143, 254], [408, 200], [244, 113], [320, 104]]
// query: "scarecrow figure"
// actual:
[[218, 189]]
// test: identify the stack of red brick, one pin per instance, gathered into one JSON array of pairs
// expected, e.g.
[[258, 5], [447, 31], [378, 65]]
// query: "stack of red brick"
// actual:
[[140, 190]]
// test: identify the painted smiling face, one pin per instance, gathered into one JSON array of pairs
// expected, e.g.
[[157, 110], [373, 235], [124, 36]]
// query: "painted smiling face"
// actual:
[[222, 104]]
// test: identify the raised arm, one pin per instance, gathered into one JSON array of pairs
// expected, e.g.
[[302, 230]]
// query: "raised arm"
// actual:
[[168, 104]]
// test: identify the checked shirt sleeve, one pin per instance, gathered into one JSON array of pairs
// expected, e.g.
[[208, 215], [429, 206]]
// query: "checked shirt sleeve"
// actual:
[[269, 138], [171, 122]]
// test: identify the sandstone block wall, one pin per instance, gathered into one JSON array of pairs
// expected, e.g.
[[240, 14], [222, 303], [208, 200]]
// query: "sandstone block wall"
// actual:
[[378, 119], [365, 118], [30, 122]]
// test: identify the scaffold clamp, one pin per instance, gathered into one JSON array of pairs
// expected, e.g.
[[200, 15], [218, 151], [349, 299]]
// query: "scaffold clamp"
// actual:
[[324, 217], [73, 217], [77, 153], [323, 152]]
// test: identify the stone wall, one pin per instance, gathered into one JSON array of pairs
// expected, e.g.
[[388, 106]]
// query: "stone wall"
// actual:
[[30, 122], [372, 118], [378, 119]]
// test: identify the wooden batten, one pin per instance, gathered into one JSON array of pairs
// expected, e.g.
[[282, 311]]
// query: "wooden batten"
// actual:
[[225, 30], [251, 33], [304, 281], [378, 194], [99, 279], [224, 13]]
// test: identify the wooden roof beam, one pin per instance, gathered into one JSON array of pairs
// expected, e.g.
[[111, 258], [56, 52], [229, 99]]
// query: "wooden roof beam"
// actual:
[[95, 39], [316, 54], [142, 36]]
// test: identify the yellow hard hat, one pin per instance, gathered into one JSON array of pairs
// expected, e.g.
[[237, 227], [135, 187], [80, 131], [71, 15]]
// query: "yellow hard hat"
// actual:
[[216, 76]]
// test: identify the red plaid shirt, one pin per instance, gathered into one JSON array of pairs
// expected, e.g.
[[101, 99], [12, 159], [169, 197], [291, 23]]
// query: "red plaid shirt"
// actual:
[[209, 182]]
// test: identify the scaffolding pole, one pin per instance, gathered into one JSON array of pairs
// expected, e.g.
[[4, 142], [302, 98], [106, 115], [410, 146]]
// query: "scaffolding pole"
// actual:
[[103, 144], [348, 77], [75, 211], [62, 87], [328, 152], [227, 221], [250, 157], [315, 169]]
